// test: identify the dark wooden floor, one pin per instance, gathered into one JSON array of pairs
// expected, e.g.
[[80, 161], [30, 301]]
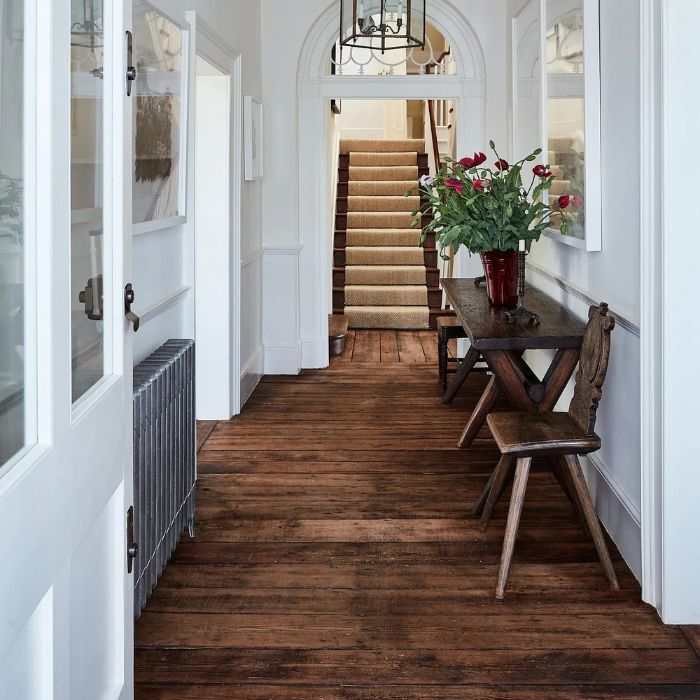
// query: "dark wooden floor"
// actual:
[[336, 558], [385, 346]]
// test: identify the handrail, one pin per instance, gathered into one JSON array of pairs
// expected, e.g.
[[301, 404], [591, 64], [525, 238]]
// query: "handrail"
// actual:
[[431, 112]]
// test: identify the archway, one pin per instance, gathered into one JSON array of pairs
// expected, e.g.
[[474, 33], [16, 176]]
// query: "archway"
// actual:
[[315, 88]]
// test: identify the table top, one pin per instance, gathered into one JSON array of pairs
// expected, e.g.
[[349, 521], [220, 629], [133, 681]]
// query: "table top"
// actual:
[[488, 330]]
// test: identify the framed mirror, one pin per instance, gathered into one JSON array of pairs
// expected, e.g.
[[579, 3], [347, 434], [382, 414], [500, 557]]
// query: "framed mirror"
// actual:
[[570, 72]]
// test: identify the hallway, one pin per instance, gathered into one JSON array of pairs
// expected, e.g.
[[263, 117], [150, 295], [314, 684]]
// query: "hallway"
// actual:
[[336, 557]]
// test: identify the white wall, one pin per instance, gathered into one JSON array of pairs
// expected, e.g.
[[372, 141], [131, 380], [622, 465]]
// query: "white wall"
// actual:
[[238, 23], [612, 275]]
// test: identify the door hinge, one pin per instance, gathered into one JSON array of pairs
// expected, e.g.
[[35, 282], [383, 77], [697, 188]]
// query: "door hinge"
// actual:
[[131, 72], [132, 547]]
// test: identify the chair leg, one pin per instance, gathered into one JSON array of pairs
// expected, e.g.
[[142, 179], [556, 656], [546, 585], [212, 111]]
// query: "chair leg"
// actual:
[[591, 517], [501, 476], [442, 359], [481, 503], [563, 477], [522, 471]]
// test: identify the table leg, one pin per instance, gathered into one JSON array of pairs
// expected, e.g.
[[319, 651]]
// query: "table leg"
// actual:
[[478, 418], [460, 377]]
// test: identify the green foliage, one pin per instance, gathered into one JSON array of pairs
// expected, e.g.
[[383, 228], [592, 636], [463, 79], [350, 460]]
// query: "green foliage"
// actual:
[[484, 208]]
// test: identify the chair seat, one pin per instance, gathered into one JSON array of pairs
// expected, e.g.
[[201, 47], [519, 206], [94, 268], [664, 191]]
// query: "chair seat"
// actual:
[[522, 434]]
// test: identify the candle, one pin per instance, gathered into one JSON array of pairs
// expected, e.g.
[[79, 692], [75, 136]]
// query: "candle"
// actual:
[[522, 246]]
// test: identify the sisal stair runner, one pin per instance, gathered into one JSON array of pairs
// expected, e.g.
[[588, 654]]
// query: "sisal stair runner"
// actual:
[[382, 278]]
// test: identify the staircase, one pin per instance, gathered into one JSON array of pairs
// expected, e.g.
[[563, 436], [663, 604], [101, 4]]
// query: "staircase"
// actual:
[[381, 277]]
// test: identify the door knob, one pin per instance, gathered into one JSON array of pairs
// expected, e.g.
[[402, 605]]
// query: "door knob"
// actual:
[[129, 298]]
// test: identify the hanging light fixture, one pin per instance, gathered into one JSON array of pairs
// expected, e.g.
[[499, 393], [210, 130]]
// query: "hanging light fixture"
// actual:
[[87, 24], [383, 24]]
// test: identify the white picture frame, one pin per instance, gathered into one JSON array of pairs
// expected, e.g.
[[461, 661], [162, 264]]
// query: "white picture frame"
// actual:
[[592, 239], [253, 139]]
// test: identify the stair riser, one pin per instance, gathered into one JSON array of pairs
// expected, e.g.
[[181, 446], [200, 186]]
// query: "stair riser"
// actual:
[[340, 240], [434, 314], [434, 298], [342, 205], [341, 221], [430, 258], [432, 277], [344, 175], [344, 161]]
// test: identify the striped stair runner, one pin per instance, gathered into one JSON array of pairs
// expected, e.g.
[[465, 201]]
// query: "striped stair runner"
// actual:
[[381, 277]]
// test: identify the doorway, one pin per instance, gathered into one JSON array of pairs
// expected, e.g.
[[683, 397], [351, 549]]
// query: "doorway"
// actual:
[[217, 233]]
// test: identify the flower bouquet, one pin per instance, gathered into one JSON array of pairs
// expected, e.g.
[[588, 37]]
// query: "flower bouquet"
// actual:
[[489, 210]]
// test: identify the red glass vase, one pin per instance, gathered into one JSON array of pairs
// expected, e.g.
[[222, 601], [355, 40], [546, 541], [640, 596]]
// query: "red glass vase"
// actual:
[[501, 270]]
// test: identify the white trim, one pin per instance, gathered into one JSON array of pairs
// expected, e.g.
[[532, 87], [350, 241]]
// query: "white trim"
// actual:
[[651, 300], [251, 374], [592, 117], [282, 359], [249, 259], [157, 307], [282, 249], [213, 48], [577, 292], [156, 225]]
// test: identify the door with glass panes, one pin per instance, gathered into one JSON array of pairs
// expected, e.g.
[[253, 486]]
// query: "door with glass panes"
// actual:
[[66, 628]]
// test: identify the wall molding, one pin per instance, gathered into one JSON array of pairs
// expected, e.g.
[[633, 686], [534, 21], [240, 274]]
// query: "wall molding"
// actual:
[[282, 249], [159, 306], [252, 257], [251, 374], [579, 294], [620, 517]]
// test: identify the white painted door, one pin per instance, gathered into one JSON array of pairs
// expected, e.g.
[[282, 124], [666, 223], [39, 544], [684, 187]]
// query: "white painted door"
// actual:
[[66, 628]]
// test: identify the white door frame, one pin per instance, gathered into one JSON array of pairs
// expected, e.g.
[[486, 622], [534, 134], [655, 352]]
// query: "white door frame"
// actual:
[[315, 88], [222, 312], [670, 251]]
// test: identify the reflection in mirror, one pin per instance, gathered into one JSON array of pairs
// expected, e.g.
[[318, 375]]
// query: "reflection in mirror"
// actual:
[[87, 126], [566, 112], [12, 342], [158, 56]]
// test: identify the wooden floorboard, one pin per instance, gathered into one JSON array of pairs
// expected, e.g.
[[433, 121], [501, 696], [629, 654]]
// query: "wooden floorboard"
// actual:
[[336, 558]]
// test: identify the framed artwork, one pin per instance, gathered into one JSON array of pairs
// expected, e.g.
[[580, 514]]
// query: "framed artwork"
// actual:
[[253, 130], [160, 116], [570, 109]]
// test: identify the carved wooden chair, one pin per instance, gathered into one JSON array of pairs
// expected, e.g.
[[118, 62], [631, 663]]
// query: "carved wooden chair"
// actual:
[[559, 438]]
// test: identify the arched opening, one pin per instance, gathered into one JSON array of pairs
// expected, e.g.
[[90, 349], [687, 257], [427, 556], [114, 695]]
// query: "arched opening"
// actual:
[[463, 83]]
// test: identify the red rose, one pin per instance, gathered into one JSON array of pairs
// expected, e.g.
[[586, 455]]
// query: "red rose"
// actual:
[[474, 162], [578, 201], [502, 165], [564, 201], [541, 171], [455, 185]]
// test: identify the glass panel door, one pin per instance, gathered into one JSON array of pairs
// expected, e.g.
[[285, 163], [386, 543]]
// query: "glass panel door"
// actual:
[[13, 405], [87, 226]]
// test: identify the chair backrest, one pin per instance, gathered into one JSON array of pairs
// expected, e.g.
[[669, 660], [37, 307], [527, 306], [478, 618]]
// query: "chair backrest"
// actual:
[[593, 367]]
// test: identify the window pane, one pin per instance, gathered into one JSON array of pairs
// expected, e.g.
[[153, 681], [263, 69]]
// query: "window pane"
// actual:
[[566, 114], [12, 291], [157, 117], [87, 274]]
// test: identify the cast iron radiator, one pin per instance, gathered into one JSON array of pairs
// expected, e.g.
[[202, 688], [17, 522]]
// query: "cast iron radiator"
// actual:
[[165, 470]]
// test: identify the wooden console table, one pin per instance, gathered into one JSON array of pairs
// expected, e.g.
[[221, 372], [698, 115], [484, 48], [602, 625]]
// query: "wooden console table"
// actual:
[[502, 346]]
